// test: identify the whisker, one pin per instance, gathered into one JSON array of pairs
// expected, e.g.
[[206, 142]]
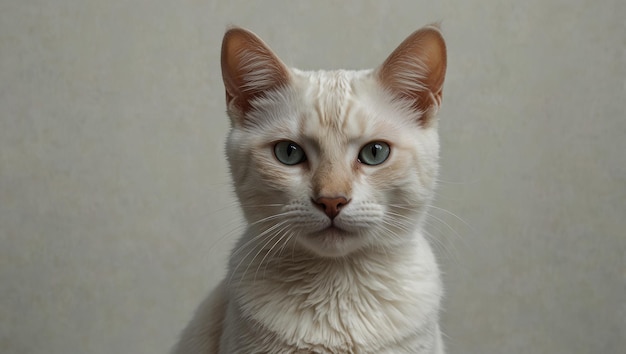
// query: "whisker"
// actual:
[[462, 183], [272, 217], [456, 216], [279, 232], [403, 206], [235, 226], [403, 217], [256, 237], [282, 248], [399, 226], [253, 240], [442, 248], [261, 205], [433, 217]]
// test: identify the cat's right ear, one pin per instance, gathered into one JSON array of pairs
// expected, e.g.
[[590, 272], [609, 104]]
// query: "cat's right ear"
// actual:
[[249, 69]]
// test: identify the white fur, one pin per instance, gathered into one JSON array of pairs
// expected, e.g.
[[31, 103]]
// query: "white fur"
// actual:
[[295, 286]]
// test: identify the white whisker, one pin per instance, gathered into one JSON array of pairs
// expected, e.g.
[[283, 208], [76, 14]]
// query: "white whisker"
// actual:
[[253, 240], [282, 231], [456, 216]]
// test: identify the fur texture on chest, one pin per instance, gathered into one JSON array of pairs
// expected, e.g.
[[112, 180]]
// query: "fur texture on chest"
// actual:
[[367, 303]]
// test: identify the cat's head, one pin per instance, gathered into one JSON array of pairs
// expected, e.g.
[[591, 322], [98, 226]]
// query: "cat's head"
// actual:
[[333, 161]]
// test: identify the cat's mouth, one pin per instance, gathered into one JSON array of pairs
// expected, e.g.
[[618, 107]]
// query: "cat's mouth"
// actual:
[[332, 241], [332, 231]]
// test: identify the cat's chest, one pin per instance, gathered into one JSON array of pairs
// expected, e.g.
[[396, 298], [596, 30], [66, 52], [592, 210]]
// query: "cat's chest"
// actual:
[[339, 306]]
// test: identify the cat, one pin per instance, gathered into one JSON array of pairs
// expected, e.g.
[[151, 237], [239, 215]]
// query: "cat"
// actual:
[[334, 172]]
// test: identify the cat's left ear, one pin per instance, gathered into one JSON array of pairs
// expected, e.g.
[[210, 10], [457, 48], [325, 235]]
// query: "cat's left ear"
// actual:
[[415, 72]]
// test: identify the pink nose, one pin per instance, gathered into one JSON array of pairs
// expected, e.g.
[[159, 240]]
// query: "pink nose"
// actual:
[[331, 205]]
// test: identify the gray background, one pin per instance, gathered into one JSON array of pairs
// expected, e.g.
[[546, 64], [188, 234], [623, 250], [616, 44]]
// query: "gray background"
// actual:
[[116, 211]]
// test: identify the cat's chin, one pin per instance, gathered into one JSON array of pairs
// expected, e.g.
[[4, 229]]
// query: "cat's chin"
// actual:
[[332, 242]]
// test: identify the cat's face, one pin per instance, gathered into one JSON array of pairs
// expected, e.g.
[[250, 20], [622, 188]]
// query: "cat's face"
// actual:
[[333, 162]]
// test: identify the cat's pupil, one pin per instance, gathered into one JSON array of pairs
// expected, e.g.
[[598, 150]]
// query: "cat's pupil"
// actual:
[[375, 149], [291, 149]]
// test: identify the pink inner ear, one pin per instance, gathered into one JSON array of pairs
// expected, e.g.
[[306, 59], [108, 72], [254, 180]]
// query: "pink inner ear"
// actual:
[[416, 69], [249, 68]]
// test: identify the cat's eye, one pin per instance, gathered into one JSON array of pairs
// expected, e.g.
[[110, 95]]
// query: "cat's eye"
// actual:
[[289, 153], [374, 153]]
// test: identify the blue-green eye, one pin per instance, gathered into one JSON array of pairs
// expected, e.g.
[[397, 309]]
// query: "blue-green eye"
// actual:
[[289, 153], [374, 153]]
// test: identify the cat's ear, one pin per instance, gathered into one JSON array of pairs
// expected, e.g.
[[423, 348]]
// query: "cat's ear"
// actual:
[[249, 68], [415, 71]]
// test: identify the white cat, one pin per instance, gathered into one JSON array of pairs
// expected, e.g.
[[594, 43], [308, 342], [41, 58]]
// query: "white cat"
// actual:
[[334, 171]]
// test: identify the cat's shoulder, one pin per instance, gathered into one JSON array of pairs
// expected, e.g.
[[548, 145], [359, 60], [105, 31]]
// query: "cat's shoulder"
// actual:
[[203, 333]]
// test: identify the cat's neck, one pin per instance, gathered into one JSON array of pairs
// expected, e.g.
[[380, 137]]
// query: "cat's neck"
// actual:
[[392, 296]]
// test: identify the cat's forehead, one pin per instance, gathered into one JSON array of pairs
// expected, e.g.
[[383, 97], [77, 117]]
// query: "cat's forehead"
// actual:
[[332, 104], [328, 108], [328, 90]]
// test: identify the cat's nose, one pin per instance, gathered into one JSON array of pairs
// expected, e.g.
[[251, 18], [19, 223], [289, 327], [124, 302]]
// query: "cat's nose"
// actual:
[[331, 205]]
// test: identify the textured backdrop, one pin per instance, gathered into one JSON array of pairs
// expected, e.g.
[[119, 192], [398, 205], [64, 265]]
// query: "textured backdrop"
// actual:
[[116, 211]]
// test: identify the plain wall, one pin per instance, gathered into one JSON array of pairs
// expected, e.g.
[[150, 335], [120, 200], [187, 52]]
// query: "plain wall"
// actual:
[[116, 211]]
